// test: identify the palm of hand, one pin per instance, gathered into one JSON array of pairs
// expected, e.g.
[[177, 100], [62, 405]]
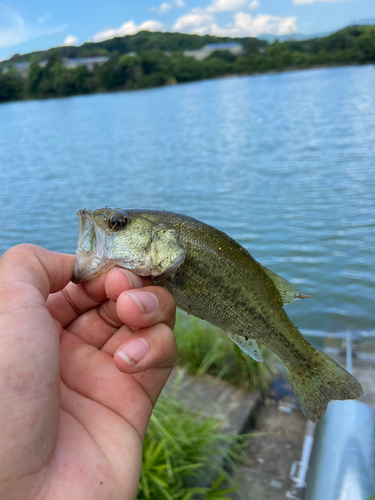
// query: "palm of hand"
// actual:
[[78, 436]]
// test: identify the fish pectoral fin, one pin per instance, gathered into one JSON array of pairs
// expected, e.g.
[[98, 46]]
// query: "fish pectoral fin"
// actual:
[[288, 292], [250, 347]]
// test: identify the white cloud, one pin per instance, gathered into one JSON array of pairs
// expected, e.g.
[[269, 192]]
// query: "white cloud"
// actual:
[[163, 7], [264, 23], [193, 19], [307, 2], [254, 5], [129, 28], [246, 25], [13, 29], [231, 5], [166, 6], [70, 40], [56, 29], [202, 21], [226, 5]]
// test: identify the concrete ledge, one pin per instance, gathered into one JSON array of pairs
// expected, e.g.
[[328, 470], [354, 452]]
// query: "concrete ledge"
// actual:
[[214, 398]]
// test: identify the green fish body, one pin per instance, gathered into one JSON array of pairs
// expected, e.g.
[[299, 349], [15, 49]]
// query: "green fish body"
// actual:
[[214, 278]]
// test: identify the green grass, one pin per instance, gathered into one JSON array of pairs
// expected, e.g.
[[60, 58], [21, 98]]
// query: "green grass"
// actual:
[[204, 348], [182, 456], [184, 453]]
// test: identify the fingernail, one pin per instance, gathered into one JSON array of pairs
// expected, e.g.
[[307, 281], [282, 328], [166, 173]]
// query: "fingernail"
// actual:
[[146, 301], [133, 279], [134, 351]]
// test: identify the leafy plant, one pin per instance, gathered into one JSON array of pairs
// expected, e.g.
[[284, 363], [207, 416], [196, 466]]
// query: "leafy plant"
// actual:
[[183, 456], [205, 349]]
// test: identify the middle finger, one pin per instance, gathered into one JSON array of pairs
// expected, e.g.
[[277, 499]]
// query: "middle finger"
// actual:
[[139, 308], [98, 325]]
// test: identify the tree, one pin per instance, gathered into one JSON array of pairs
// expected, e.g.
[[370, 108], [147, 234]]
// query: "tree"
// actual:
[[224, 55], [12, 86], [214, 67], [130, 68], [35, 76], [64, 82], [81, 76], [155, 61], [186, 69]]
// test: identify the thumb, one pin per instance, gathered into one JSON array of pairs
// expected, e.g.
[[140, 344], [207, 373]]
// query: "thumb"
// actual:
[[30, 351]]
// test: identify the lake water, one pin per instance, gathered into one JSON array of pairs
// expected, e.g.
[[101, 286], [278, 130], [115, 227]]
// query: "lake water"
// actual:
[[284, 163]]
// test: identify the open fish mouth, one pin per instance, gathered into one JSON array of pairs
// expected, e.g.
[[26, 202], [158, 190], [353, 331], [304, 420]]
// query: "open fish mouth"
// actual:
[[111, 237], [90, 249]]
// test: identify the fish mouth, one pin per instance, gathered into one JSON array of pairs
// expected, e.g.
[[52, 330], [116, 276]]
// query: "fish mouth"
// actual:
[[90, 249]]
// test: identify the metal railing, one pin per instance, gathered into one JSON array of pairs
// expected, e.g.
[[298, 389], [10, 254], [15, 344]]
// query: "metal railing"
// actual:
[[338, 456]]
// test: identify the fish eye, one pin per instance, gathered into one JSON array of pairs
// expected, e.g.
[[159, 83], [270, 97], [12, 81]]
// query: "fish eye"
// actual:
[[118, 221]]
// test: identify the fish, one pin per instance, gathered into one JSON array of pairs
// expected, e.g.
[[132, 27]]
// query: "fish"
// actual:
[[213, 277]]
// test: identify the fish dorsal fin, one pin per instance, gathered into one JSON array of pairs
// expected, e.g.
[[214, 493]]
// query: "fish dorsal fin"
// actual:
[[250, 347], [288, 292]]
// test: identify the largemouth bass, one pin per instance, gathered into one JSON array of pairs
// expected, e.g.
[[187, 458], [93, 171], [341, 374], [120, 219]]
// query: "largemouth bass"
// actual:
[[214, 278]]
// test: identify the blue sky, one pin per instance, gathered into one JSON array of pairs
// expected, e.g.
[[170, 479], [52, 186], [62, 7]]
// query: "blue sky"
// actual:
[[27, 25]]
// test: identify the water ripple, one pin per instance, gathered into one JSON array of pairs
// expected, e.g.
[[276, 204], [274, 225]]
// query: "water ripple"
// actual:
[[283, 163]]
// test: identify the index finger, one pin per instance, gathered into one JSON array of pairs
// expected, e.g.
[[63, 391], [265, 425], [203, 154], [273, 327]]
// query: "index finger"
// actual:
[[32, 265], [74, 300]]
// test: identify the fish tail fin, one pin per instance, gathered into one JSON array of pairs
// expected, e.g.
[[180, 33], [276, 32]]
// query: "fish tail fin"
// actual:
[[323, 381]]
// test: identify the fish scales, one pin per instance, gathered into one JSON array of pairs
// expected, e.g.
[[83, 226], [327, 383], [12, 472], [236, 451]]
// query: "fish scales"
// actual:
[[213, 277], [231, 290]]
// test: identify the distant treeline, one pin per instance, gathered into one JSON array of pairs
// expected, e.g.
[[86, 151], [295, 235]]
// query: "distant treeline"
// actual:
[[159, 60]]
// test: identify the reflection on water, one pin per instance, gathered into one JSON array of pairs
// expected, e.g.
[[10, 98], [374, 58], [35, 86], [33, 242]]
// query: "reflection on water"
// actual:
[[284, 163]]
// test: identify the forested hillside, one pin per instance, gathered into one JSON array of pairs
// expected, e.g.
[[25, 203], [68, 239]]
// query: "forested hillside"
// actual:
[[153, 59], [141, 42]]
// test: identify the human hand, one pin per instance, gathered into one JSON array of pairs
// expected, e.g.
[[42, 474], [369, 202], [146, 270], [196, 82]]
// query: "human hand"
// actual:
[[73, 411]]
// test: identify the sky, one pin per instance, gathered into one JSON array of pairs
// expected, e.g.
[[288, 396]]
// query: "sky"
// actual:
[[26, 26]]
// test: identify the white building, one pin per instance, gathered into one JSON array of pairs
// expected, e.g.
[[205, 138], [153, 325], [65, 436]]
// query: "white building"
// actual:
[[200, 54], [21, 68], [89, 62]]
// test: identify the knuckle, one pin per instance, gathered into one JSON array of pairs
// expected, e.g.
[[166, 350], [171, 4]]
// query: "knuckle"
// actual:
[[22, 251], [108, 314]]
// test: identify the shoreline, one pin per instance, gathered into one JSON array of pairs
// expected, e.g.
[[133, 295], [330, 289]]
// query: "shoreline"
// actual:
[[287, 69]]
